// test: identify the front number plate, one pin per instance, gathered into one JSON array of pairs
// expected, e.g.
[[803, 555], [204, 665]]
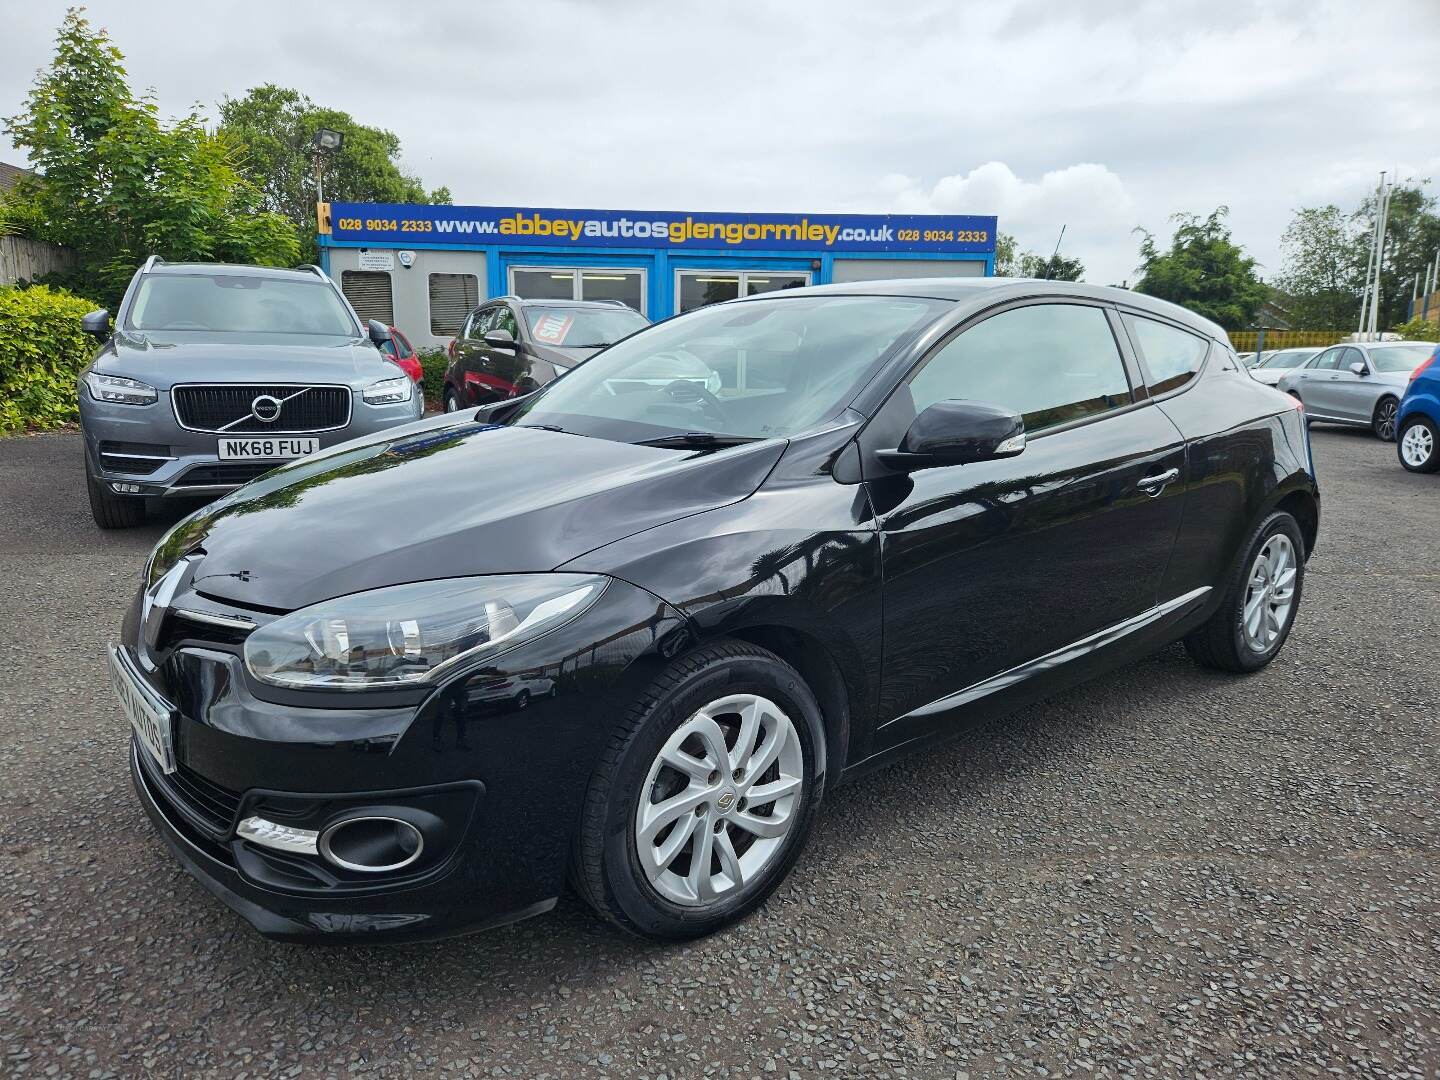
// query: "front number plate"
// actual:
[[147, 712], [273, 449]]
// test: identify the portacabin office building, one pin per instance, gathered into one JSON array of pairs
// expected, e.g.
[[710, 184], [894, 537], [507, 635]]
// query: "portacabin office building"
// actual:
[[424, 268]]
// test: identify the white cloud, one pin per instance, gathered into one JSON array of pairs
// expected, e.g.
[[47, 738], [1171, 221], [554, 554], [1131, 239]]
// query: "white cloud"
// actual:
[[1089, 200]]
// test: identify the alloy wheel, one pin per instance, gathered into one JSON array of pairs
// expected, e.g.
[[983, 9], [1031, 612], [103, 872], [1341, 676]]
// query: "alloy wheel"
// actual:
[[1385, 419], [1270, 593], [1417, 445], [721, 797]]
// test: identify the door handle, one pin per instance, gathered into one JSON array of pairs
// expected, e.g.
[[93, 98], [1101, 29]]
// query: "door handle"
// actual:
[[1153, 485]]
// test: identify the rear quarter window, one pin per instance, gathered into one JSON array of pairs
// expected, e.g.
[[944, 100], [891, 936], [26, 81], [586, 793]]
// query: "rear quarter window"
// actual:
[[1171, 356]]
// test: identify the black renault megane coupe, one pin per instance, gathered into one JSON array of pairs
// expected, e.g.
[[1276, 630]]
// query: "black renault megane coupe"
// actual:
[[626, 632]]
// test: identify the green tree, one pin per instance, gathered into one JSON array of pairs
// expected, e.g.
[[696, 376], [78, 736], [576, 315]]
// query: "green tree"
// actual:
[[1203, 270], [1412, 235], [118, 184], [1052, 268], [273, 126], [1007, 255], [1320, 275]]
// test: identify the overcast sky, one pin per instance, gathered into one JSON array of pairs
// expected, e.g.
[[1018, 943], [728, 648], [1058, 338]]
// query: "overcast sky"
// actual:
[[1099, 114]]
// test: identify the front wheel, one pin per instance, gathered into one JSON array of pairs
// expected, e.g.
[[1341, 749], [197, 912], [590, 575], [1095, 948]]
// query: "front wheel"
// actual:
[[1419, 445], [113, 511], [704, 796], [1261, 598], [452, 403], [1383, 422]]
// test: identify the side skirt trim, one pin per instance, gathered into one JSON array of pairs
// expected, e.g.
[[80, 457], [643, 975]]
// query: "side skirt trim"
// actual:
[[1179, 606]]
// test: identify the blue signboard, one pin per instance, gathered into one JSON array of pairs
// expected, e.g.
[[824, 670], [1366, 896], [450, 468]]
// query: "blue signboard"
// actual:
[[405, 224]]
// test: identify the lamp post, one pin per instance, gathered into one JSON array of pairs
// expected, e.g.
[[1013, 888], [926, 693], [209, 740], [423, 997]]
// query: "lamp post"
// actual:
[[324, 142]]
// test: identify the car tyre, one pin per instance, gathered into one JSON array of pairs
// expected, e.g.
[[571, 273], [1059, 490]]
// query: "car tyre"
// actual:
[[1232, 639], [114, 511], [1419, 445], [1383, 421], [452, 402], [608, 868]]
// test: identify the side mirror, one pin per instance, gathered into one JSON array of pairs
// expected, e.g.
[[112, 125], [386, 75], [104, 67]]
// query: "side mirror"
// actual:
[[1359, 369], [97, 324], [379, 332], [958, 433], [500, 338]]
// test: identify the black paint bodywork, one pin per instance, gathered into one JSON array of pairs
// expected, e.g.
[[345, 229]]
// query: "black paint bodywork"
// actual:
[[912, 602]]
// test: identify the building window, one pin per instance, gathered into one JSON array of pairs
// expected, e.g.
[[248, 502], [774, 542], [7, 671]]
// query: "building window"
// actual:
[[577, 283], [369, 294], [698, 288], [452, 298]]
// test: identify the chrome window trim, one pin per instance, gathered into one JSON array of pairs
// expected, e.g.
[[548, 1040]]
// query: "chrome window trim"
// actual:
[[175, 407]]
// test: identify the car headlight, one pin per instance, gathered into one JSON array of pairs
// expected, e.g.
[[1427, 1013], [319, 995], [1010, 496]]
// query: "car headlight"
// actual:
[[406, 635], [119, 390], [389, 391]]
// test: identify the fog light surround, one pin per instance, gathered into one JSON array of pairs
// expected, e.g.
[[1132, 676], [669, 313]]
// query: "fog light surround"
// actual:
[[271, 834], [372, 844]]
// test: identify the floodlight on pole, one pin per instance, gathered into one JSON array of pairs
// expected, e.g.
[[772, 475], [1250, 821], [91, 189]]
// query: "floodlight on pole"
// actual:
[[325, 141]]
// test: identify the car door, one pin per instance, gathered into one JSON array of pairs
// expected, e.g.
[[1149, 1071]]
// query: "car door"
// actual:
[[1311, 381], [997, 567], [470, 355], [1347, 395]]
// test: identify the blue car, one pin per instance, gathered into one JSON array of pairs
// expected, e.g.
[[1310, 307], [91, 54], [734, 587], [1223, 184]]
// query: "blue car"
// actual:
[[1417, 424]]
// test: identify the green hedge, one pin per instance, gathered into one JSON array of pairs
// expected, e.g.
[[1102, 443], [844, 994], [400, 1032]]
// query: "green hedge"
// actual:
[[42, 350], [433, 363]]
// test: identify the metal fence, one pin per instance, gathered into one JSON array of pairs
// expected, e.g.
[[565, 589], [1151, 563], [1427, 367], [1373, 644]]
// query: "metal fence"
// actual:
[[1244, 340], [22, 259]]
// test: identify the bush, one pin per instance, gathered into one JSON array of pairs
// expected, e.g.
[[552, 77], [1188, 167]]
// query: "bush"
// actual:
[[433, 363], [42, 350], [1418, 330]]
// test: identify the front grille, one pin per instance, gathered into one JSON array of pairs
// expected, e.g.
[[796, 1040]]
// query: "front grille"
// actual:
[[227, 408], [177, 628], [226, 473], [137, 459], [206, 806]]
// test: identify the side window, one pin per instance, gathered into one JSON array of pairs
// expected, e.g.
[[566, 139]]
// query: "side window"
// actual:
[[402, 344], [1053, 363], [1351, 356], [480, 322], [1328, 360], [505, 320], [1172, 356]]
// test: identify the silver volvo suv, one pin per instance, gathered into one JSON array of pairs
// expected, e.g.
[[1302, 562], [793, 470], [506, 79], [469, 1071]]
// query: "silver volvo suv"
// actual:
[[216, 373]]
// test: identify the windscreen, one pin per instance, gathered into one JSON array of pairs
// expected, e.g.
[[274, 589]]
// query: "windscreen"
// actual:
[[757, 369], [1400, 357], [1288, 358], [582, 328], [238, 303]]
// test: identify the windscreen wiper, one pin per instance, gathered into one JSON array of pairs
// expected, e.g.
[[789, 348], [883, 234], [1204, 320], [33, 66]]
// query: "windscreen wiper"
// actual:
[[699, 439]]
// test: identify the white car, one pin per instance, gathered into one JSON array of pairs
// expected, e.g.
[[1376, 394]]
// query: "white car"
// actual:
[[1275, 364], [1360, 383]]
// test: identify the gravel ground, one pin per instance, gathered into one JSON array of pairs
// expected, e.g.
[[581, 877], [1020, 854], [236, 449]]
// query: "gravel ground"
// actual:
[[1168, 872]]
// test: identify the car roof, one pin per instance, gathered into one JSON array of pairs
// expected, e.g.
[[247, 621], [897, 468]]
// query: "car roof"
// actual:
[[1391, 344], [169, 269], [981, 292], [533, 302]]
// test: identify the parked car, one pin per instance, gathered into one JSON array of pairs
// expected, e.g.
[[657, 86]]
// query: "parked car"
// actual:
[[1357, 383], [214, 373], [906, 507], [1275, 364], [402, 354], [509, 347], [1418, 420], [1247, 358]]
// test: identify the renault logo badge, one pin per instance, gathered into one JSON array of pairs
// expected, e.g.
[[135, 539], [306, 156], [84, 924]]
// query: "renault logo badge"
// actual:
[[265, 408], [725, 802]]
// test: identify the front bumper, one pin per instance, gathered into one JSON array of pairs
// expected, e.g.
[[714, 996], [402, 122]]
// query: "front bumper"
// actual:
[[157, 457], [499, 758]]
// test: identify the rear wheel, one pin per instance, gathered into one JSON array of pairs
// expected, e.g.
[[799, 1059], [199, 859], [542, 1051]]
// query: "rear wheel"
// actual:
[[114, 511], [1383, 422], [1419, 445], [452, 402], [1261, 598], [704, 797]]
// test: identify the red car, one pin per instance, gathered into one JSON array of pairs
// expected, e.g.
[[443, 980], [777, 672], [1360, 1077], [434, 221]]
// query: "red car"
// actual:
[[399, 350]]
